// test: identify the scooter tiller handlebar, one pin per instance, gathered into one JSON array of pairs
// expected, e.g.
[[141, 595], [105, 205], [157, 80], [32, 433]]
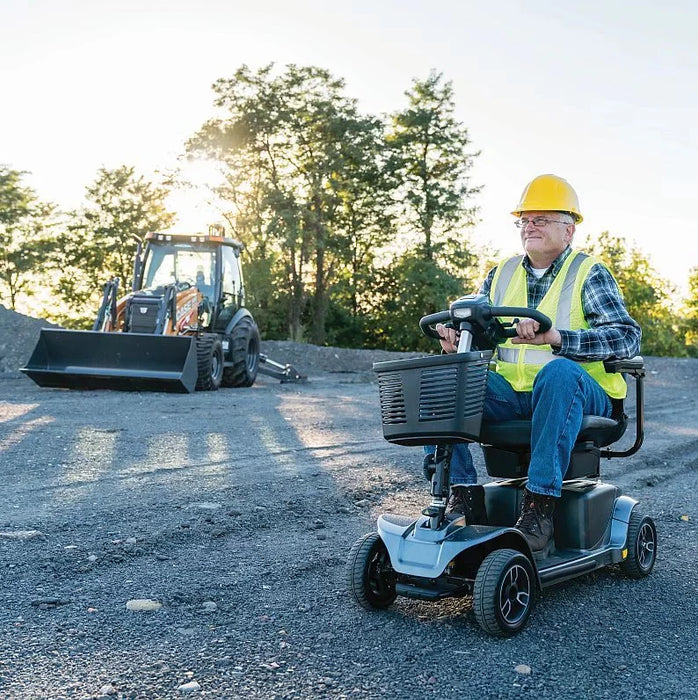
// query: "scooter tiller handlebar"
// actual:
[[426, 322]]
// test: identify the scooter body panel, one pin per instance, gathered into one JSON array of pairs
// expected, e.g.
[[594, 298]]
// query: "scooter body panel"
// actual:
[[619, 525], [417, 550]]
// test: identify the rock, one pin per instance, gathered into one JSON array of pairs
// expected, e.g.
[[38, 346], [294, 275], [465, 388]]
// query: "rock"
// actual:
[[206, 505], [143, 604], [523, 669], [209, 606], [20, 534], [190, 687], [107, 689], [46, 603]]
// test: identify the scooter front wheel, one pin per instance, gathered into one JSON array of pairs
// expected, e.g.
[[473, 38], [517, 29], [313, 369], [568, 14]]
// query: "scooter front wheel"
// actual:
[[504, 592], [370, 577]]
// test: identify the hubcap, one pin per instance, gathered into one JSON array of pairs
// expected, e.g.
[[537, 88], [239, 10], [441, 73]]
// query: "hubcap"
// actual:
[[251, 356], [514, 594], [645, 546], [214, 366], [378, 577]]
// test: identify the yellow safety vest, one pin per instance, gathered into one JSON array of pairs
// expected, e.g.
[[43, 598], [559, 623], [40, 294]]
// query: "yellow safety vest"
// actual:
[[562, 303]]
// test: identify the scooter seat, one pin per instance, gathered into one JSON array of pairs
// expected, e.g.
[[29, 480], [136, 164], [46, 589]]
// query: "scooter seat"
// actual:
[[517, 433]]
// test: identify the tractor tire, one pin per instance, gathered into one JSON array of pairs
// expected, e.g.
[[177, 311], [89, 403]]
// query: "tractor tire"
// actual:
[[245, 345], [209, 358]]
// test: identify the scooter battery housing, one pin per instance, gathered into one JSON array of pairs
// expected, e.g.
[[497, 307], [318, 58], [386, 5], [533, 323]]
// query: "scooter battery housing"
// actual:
[[583, 514]]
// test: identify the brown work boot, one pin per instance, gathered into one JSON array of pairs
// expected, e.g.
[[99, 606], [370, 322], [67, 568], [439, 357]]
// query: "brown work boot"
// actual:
[[468, 501], [536, 521]]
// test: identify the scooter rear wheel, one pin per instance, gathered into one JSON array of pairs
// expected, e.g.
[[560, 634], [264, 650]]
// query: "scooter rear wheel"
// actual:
[[641, 544], [504, 592], [370, 577]]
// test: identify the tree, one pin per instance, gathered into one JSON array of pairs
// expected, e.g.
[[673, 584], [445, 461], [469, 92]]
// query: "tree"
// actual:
[[25, 245], [691, 314], [100, 241], [411, 287], [291, 146], [431, 159], [648, 297], [364, 218]]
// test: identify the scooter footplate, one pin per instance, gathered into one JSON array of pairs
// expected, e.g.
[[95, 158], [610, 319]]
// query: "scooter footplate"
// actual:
[[416, 550]]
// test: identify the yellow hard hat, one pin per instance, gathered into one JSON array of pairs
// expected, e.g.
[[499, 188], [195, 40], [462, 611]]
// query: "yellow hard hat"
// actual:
[[549, 193]]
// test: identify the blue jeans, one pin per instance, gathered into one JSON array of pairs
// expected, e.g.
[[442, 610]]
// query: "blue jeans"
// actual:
[[562, 394]]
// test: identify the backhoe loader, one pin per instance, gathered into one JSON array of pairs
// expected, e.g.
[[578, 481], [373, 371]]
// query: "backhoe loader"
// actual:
[[183, 326]]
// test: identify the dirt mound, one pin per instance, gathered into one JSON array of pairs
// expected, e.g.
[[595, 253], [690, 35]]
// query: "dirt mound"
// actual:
[[18, 336], [19, 333]]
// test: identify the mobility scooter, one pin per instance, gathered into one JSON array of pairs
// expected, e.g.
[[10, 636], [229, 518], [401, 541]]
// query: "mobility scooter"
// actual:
[[437, 400]]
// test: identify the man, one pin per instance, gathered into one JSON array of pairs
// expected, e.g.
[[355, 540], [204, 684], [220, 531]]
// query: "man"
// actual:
[[553, 378]]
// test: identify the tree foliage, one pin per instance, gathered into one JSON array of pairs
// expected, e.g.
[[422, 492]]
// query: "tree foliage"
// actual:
[[25, 243], [650, 300], [690, 324], [304, 181], [411, 287], [100, 241], [430, 159]]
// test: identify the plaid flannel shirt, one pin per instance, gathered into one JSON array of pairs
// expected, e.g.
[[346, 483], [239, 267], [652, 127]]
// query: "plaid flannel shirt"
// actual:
[[612, 333]]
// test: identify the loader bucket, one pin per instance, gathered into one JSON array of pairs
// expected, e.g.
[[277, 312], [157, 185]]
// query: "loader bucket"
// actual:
[[123, 361]]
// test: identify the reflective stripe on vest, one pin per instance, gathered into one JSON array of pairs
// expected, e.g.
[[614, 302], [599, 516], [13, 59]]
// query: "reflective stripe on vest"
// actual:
[[505, 275], [520, 363], [563, 316], [531, 356]]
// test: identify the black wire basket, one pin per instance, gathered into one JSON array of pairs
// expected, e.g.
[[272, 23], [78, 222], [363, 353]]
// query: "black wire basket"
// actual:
[[434, 399]]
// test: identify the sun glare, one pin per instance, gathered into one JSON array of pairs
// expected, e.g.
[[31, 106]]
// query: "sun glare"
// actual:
[[193, 199]]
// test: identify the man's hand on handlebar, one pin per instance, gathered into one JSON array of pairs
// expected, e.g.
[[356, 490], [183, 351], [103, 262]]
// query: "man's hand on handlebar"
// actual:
[[527, 332], [449, 337]]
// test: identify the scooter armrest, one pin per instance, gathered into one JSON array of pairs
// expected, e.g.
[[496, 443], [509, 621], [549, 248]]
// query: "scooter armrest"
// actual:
[[634, 366]]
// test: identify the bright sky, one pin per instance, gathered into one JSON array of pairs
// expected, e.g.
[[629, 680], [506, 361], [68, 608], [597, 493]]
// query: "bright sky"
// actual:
[[601, 92]]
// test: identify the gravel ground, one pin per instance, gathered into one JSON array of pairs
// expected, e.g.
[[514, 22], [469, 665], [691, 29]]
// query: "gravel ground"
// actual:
[[233, 512]]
